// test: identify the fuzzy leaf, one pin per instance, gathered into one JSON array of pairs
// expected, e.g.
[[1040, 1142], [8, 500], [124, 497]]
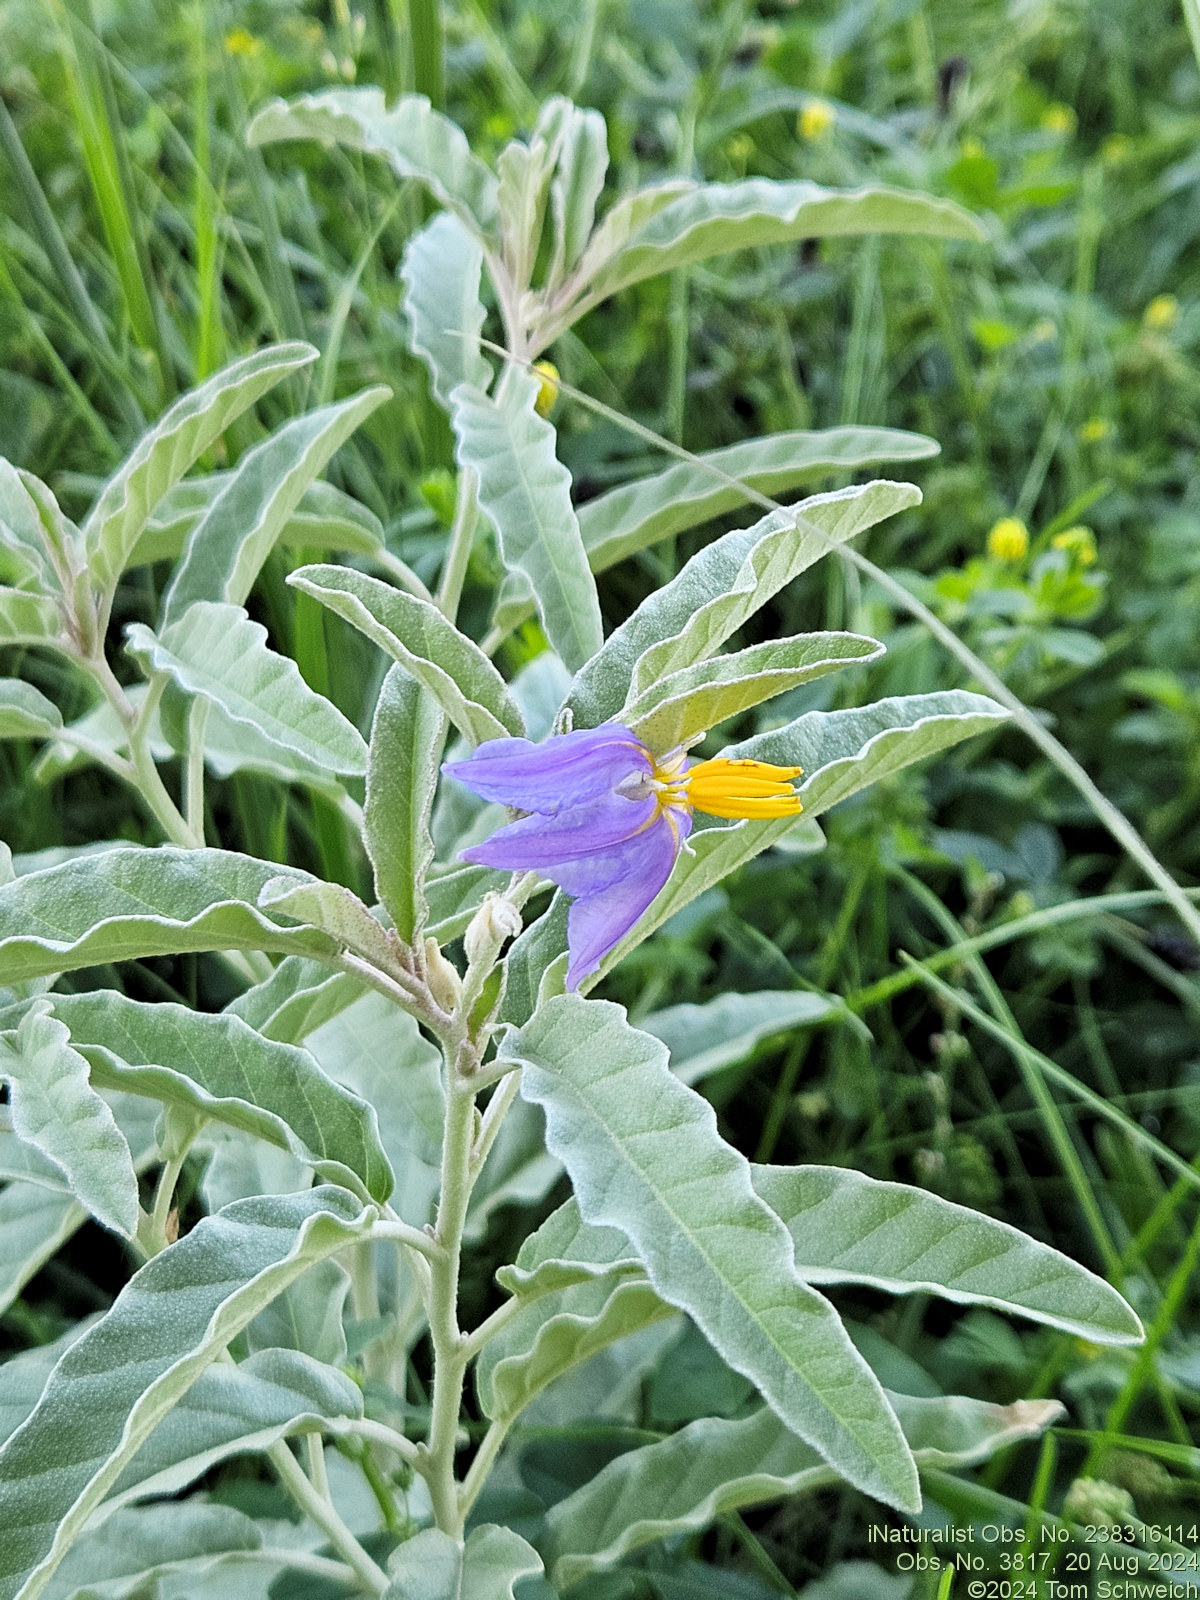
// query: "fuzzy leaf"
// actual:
[[689, 702], [326, 519], [415, 140], [55, 1109], [703, 1039], [644, 1156], [402, 775], [416, 634], [715, 1466], [29, 618], [34, 1223], [221, 1068], [164, 454], [226, 549], [432, 1566], [216, 651], [440, 271], [848, 1228], [526, 491], [25, 713], [723, 585], [131, 902], [298, 996], [719, 217], [637, 514], [116, 1384], [578, 182]]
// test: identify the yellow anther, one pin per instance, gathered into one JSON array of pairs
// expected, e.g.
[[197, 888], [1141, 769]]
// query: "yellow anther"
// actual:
[[743, 788]]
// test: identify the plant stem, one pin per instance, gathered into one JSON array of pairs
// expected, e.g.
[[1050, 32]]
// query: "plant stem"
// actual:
[[449, 1354], [462, 537], [193, 790], [322, 1512]]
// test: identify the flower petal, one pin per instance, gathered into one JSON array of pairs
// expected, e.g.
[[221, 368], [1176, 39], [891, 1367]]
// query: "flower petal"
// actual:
[[543, 842], [555, 775], [614, 889]]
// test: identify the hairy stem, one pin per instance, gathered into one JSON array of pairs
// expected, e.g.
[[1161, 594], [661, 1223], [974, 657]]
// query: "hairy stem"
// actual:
[[320, 1511]]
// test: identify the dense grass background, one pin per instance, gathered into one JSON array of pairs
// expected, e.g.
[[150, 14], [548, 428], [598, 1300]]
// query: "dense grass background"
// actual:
[[142, 245]]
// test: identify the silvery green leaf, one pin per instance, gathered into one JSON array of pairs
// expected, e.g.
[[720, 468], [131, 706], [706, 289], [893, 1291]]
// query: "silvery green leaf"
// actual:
[[25, 713], [117, 1383], [326, 519], [164, 454], [429, 647], [579, 139], [25, 1377], [407, 736], [432, 1566], [584, 1288], [307, 1316], [519, 1171], [415, 140], [128, 1554], [704, 1038], [219, 1067], [26, 554], [27, 618], [455, 894], [526, 492], [634, 515], [34, 1223], [216, 651], [445, 317], [714, 1466], [719, 217], [240, 1167], [233, 1410], [226, 548], [131, 902], [723, 585], [297, 998], [55, 1109], [26, 1162], [335, 910], [644, 1156], [624, 218], [848, 1228], [841, 752], [685, 704]]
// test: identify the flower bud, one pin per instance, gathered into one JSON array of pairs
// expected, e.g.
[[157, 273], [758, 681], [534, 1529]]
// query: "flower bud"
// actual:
[[445, 985], [1008, 540], [496, 921]]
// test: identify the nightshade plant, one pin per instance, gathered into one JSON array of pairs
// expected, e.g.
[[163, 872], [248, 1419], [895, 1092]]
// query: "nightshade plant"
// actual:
[[377, 1088]]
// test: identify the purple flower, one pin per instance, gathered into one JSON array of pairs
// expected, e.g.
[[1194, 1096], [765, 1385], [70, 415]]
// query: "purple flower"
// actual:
[[607, 819]]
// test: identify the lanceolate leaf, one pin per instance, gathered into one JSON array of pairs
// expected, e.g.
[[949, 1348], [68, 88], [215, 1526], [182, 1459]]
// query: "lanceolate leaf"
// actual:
[[220, 1067], [637, 514], [719, 588], [24, 549], [326, 519], [689, 702], [416, 634], [217, 652], [848, 1228], [432, 1566], [233, 1410], [118, 1382], [132, 902], [56, 1110], [644, 1156], [25, 713], [526, 491], [720, 217], [441, 271], [227, 547], [298, 996], [703, 1039], [715, 1466], [164, 454], [417, 141], [402, 773], [455, 895]]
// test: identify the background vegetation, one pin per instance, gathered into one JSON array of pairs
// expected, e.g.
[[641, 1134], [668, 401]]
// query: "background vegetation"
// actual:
[[143, 245]]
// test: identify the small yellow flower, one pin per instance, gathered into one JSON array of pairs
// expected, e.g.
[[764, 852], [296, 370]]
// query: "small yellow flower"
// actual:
[[971, 150], [1058, 120], [815, 120], [1079, 542], [240, 43], [548, 388], [1094, 430], [1162, 313], [1008, 540]]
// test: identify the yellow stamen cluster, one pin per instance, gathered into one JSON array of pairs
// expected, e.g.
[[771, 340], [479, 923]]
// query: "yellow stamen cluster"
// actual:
[[728, 788]]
